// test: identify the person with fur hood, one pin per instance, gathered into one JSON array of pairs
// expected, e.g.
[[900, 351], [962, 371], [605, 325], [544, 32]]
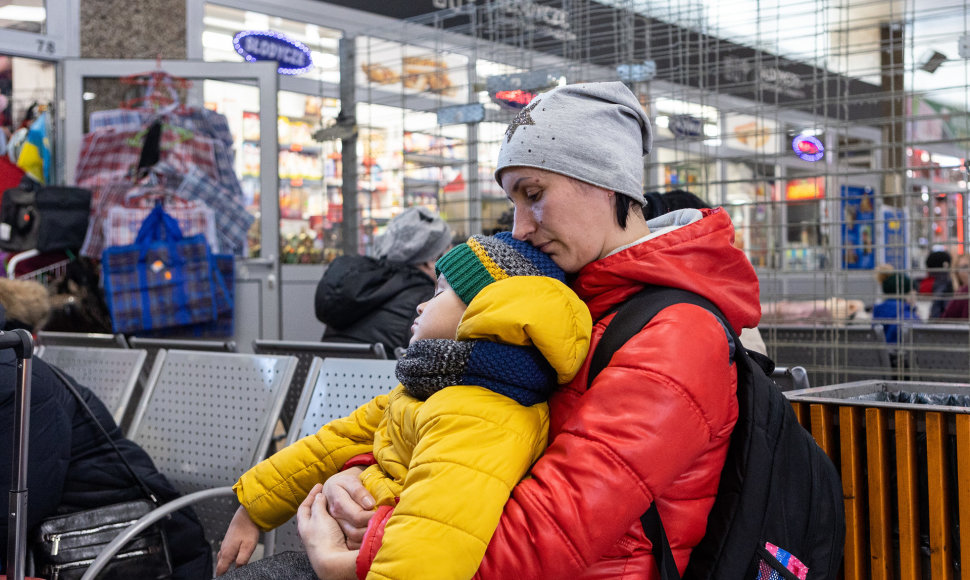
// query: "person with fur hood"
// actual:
[[71, 465], [26, 304]]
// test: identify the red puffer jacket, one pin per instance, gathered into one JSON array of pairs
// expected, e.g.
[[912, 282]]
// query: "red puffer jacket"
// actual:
[[656, 422]]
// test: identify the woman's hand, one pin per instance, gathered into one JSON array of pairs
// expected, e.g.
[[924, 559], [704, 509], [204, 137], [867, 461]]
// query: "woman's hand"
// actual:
[[239, 543], [350, 504], [324, 540]]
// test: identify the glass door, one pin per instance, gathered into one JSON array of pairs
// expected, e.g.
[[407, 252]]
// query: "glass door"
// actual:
[[102, 92]]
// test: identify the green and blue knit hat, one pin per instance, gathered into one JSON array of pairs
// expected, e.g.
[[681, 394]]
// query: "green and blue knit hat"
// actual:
[[481, 260]]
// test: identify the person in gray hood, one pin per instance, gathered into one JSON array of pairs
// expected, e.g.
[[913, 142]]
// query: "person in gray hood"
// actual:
[[374, 299]]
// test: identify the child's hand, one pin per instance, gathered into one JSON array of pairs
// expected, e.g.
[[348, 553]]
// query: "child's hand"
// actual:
[[239, 543], [323, 538], [318, 529], [350, 503]]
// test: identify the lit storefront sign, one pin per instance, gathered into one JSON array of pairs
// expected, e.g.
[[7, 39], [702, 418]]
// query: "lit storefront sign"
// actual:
[[803, 189], [293, 57], [513, 99], [808, 147]]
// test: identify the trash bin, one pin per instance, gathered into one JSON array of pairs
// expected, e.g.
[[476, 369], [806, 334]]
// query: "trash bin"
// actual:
[[901, 448]]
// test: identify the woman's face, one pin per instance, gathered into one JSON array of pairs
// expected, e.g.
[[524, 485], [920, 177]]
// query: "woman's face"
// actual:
[[572, 222], [440, 316]]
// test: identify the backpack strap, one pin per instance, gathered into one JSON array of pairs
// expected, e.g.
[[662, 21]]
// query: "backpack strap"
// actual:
[[631, 316]]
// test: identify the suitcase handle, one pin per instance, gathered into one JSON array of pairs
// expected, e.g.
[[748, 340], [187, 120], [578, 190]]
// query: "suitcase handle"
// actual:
[[19, 340], [22, 343]]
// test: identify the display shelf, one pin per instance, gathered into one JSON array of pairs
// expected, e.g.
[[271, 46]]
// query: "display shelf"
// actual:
[[313, 148], [417, 183], [425, 160]]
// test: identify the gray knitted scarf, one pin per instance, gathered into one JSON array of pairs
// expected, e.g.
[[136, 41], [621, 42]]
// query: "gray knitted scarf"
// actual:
[[518, 372]]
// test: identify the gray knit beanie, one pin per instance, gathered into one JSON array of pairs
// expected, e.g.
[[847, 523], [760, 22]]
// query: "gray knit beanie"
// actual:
[[593, 132], [415, 236]]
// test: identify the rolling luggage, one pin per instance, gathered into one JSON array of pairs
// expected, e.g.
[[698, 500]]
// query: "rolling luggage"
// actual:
[[23, 345]]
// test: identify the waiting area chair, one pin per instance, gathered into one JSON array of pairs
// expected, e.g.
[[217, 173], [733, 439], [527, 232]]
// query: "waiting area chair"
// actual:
[[939, 351], [790, 378], [153, 345], [830, 353], [111, 373], [206, 417], [95, 339], [335, 388], [305, 353]]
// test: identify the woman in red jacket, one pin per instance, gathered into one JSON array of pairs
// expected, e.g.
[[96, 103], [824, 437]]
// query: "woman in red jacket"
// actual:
[[655, 424]]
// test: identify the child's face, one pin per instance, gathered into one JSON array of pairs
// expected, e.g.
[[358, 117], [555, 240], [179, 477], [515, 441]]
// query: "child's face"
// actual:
[[440, 316]]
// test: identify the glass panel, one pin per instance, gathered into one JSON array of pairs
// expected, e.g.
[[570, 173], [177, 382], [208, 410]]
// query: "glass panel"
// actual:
[[196, 164], [223, 23], [24, 15], [308, 169]]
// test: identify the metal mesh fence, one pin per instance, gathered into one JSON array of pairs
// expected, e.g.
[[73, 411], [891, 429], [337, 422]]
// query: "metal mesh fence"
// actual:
[[834, 132]]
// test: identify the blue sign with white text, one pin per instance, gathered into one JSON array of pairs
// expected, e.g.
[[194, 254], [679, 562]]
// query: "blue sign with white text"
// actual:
[[292, 56]]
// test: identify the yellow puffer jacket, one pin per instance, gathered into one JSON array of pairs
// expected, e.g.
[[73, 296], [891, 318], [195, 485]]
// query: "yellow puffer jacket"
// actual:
[[448, 463]]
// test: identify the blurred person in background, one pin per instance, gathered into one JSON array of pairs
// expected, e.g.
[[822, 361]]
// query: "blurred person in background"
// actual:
[[374, 299], [938, 282], [898, 305], [959, 307]]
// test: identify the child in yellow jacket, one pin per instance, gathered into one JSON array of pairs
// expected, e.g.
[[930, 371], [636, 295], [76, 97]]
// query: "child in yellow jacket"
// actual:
[[451, 441]]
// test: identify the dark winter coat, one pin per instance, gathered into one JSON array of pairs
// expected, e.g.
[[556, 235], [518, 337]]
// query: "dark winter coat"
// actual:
[[361, 299], [72, 467]]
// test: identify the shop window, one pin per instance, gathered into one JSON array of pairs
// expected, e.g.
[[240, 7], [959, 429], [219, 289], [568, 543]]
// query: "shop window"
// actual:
[[855, 153], [748, 194], [805, 241]]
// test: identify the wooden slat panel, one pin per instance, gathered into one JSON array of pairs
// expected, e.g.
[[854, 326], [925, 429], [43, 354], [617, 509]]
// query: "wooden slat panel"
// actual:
[[907, 500], [963, 489], [853, 490], [801, 412], [823, 427], [939, 513], [880, 527]]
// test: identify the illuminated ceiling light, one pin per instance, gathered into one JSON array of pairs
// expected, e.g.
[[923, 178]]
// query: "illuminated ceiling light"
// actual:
[[23, 13]]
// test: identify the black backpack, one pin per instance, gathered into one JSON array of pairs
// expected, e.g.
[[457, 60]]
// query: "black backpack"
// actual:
[[777, 486]]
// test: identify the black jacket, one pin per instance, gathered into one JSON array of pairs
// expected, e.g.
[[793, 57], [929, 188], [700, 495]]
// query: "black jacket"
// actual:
[[72, 467], [361, 299]]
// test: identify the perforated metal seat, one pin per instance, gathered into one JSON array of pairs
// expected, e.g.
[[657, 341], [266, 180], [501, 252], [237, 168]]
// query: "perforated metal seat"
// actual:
[[111, 373], [830, 353], [335, 388], [802, 345], [941, 351], [861, 353], [206, 417], [153, 345], [305, 352]]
